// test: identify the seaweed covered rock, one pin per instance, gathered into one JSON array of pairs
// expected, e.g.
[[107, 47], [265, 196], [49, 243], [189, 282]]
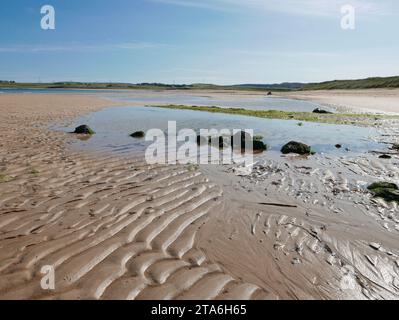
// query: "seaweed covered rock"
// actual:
[[296, 147], [84, 129], [259, 146], [321, 111], [138, 134], [385, 190], [242, 137]]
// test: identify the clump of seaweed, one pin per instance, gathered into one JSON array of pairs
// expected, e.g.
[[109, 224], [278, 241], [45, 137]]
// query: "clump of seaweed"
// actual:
[[385, 190]]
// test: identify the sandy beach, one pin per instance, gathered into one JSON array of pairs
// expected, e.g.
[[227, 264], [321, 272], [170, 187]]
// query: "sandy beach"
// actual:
[[369, 100], [117, 228], [112, 228]]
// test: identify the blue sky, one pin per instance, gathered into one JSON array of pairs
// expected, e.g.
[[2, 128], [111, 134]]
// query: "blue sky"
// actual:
[[191, 41]]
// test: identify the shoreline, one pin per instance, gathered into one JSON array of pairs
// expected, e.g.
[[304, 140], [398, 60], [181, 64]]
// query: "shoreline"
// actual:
[[112, 228], [364, 100], [117, 228]]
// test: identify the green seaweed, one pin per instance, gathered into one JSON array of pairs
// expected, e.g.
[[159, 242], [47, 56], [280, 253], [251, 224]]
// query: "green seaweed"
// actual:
[[334, 118], [385, 190], [4, 178]]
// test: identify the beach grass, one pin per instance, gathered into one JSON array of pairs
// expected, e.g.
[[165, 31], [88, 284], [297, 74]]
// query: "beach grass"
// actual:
[[334, 118]]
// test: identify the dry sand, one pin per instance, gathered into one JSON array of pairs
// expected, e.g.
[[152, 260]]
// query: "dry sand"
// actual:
[[117, 228], [371, 100]]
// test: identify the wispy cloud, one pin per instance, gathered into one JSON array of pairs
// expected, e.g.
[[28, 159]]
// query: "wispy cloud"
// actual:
[[77, 47], [294, 7]]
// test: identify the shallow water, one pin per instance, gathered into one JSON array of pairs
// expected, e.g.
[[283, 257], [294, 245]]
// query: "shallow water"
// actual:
[[113, 126], [151, 97], [246, 101]]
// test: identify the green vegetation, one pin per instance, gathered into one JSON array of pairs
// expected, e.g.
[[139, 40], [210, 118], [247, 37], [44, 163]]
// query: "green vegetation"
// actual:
[[34, 172], [369, 83], [335, 118], [385, 190], [4, 178], [192, 167]]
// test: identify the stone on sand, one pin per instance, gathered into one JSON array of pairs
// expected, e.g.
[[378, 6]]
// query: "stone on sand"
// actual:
[[84, 129]]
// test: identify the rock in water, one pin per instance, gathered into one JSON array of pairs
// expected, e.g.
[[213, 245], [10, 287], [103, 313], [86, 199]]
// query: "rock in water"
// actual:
[[259, 146], [338, 146], [296, 147], [269, 93], [240, 138], [321, 111], [138, 134], [385, 156], [201, 140], [385, 190], [84, 129]]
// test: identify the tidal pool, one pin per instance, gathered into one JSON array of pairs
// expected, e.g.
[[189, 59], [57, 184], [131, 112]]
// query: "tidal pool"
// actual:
[[114, 125]]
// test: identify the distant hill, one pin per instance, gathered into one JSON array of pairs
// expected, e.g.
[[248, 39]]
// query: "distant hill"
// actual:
[[369, 83], [282, 86]]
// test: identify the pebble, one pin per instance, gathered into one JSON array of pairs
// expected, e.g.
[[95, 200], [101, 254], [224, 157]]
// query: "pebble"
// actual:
[[374, 245]]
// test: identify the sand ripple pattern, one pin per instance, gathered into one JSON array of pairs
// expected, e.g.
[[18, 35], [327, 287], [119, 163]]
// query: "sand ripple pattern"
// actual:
[[112, 228]]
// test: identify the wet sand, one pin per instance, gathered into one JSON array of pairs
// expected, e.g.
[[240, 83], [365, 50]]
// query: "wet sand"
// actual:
[[370, 100], [112, 228], [117, 228]]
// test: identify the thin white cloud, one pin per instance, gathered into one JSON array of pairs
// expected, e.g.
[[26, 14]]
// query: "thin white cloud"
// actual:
[[77, 47], [293, 7]]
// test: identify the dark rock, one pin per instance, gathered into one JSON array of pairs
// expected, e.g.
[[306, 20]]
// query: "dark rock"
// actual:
[[296, 147], [201, 140], [259, 146], [138, 134], [385, 190], [240, 139], [219, 142], [84, 129], [269, 93], [338, 146], [395, 146], [321, 111], [385, 156]]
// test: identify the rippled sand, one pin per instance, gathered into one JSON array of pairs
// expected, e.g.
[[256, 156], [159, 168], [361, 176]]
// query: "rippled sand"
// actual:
[[116, 228], [112, 228]]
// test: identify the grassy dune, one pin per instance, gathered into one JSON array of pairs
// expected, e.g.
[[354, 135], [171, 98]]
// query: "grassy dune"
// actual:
[[369, 83]]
